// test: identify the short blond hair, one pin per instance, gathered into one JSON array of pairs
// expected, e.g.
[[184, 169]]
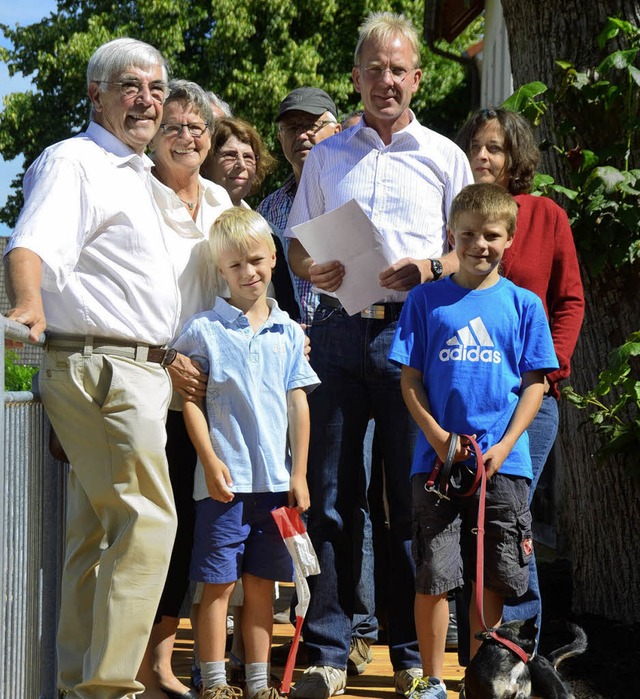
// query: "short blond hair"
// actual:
[[236, 229], [491, 201], [384, 26]]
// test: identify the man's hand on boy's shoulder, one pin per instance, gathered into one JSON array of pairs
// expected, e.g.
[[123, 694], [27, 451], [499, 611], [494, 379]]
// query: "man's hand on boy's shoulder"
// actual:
[[299, 493], [494, 457]]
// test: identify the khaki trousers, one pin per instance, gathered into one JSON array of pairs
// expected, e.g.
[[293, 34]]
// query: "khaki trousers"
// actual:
[[109, 413]]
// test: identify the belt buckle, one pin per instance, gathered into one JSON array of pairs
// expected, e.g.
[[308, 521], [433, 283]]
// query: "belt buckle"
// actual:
[[375, 312]]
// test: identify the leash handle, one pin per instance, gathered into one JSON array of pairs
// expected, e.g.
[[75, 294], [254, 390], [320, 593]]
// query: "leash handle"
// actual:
[[445, 467]]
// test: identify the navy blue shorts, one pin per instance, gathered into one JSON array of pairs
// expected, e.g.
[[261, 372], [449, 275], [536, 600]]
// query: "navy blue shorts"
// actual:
[[445, 539], [241, 536]]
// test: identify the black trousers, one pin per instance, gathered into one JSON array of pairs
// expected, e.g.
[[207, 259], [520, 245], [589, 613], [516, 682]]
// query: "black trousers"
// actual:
[[182, 458]]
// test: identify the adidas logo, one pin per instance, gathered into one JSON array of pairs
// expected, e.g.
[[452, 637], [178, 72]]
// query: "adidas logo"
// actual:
[[471, 344]]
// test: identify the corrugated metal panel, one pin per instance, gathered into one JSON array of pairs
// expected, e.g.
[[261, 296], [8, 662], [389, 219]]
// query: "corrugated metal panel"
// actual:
[[32, 534], [32, 495]]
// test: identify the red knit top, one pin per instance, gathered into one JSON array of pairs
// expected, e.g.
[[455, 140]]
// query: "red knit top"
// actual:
[[543, 259]]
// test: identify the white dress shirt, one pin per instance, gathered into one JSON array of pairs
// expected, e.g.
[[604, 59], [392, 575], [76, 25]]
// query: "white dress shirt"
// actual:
[[189, 246], [90, 216], [406, 188]]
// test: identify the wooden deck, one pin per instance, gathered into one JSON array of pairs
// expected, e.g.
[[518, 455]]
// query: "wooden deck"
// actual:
[[376, 682]]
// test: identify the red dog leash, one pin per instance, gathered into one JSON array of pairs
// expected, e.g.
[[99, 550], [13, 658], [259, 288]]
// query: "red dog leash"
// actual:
[[439, 483]]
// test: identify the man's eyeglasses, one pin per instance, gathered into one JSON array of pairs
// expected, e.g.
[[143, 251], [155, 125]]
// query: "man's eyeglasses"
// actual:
[[230, 157], [376, 73], [174, 130], [310, 128], [133, 88]]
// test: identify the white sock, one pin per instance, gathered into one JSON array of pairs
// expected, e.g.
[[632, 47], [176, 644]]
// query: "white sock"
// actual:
[[257, 677], [213, 673]]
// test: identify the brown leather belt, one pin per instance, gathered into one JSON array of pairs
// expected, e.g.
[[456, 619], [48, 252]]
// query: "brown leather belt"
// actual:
[[378, 311], [88, 345]]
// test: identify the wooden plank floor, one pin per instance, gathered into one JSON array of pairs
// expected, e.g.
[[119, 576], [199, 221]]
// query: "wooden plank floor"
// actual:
[[376, 682]]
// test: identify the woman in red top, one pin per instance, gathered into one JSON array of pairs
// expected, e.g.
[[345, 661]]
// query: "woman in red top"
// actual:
[[501, 149]]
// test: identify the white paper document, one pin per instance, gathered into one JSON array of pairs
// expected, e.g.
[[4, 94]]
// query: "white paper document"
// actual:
[[347, 234]]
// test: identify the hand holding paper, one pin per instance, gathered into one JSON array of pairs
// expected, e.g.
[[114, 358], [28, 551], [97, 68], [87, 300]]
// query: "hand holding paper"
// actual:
[[347, 235]]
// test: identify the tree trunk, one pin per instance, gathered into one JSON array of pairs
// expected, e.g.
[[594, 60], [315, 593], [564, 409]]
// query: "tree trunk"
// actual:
[[598, 509], [565, 30]]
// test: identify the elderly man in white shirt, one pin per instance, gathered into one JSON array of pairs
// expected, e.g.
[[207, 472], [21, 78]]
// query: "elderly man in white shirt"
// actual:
[[90, 260], [404, 176]]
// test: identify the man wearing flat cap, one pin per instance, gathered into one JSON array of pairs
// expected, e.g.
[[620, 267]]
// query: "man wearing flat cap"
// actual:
[[306, 116]]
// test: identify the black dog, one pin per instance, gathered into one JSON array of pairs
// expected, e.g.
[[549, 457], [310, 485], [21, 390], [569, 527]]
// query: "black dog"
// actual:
[[497, 673]]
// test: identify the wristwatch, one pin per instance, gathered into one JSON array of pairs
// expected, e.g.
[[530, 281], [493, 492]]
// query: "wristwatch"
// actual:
[[436, 269], [169, 357]]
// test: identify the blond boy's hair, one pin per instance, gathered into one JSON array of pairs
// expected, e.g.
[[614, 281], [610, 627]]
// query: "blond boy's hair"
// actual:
[[236, 229], [491, 201]]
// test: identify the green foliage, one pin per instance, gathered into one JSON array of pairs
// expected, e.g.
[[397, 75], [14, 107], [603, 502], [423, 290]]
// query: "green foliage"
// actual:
[[604, 196], [250, 52], [614, 405], [17, 377], [603, 203]]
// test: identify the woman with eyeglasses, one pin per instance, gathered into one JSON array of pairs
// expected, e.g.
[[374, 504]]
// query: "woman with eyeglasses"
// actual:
[[189, 205], [239, 161]]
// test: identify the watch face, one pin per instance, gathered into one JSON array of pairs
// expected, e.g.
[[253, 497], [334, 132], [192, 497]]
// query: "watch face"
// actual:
[[436, 269]]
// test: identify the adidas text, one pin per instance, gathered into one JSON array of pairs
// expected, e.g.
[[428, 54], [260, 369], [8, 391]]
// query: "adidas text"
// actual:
[[470, 354]]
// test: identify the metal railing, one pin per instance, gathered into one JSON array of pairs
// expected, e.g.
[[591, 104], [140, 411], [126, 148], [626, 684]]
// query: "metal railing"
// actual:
[[32, 508]]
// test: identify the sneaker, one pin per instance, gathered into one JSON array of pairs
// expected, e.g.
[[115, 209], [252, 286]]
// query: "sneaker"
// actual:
[[222, 691], [359, 655], [267, 693], [321, 682], [427, 688], [403, 679]]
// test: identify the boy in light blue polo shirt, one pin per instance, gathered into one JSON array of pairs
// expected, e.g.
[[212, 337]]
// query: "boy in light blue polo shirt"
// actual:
[[252, 439]]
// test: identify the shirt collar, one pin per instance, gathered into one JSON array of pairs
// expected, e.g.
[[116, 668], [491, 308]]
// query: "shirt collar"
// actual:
[[290, 185], [120, 152], [411, 130], [230, 314]]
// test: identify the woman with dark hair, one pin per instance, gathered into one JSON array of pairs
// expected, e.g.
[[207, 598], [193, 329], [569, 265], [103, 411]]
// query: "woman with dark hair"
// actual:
[[501, 148], [239, 161]]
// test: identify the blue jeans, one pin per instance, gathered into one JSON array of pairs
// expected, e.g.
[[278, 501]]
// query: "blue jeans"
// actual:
[[542, 434], [350, 357]]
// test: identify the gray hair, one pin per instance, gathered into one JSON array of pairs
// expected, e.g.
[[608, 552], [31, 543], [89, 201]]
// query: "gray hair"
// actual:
[[383, 26], [191, 94], [117, 55], [220, 104]]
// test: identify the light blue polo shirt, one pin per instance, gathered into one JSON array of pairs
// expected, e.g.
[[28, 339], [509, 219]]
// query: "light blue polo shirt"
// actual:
[[249, 377]]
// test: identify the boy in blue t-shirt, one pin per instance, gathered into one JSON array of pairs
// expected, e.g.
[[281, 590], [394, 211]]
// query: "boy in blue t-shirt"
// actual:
[[252, 440], [474, 349]]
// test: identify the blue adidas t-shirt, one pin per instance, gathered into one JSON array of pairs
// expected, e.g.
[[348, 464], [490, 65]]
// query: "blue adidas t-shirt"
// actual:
[[472, 347]]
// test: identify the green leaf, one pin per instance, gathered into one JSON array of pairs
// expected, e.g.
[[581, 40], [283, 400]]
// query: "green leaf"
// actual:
[[618, 59], [634, 74], [523, 95]]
